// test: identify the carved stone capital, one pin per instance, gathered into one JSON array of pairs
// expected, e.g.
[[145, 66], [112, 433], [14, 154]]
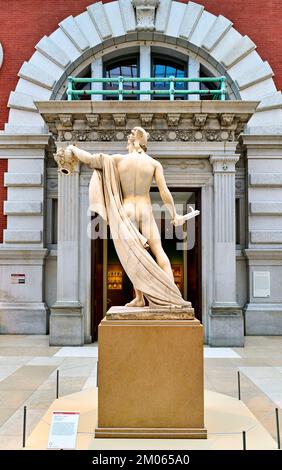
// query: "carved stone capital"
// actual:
[[173, 119], [66, 120], [199, 120], [120, 120], [146, 120], [224, 164], [226, 120], [145, 14], [92, 120]]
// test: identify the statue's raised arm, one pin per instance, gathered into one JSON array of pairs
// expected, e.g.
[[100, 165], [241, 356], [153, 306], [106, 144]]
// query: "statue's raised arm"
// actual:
[[68, 157]]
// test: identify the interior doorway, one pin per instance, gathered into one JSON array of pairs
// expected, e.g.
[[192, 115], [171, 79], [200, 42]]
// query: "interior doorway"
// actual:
[[110, 285]]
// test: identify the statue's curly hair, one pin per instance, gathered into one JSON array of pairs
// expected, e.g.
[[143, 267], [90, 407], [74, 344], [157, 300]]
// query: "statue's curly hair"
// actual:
[[143, 137]]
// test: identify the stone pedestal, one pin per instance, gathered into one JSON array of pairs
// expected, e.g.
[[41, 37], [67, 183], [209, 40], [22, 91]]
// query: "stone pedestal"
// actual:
[[150, 379]]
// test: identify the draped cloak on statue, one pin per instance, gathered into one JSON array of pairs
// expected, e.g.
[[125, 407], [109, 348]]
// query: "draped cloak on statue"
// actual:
[[105, 198]]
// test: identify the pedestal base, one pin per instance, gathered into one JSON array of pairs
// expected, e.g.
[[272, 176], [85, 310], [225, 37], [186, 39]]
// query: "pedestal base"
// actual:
[[66, 324], [151, 379], [226, 327]]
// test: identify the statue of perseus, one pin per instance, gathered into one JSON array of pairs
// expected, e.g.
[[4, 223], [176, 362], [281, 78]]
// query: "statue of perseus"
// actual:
[[119, 191]]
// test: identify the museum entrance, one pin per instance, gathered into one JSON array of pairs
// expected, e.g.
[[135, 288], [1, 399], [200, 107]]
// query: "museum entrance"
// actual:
[[111, 286]]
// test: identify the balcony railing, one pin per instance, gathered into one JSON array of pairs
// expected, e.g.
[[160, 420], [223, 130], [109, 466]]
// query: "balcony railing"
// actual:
[[172, 91]]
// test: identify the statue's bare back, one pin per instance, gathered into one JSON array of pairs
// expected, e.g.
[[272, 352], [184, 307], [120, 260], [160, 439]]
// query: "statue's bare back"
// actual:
[[136, 173]]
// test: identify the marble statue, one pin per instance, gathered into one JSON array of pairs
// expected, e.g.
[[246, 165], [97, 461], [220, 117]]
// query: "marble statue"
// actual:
[[120, 192]]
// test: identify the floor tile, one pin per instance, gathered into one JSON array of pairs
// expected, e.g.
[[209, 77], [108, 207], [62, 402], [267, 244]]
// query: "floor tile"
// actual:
[[220, 353], [83, 351]]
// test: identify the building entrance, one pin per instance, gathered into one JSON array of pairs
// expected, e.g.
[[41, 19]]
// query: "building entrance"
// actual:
[[110, 285]]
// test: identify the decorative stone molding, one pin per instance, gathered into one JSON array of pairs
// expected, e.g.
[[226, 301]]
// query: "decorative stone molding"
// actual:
[[66, 120], [224, 164], [183, 164], [146, 120], [92, 120], [226, 120], [173, 120], [52, 185], [167, 121], [257, 256], [199, 120], [145, 14], [120, 120], [240, 185], [191, 135]]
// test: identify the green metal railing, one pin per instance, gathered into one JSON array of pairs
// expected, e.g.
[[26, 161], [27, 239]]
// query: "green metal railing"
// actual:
[[219, 93]]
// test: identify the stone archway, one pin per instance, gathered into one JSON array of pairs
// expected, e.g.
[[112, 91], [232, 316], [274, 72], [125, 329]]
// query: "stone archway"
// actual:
[[209, 38]]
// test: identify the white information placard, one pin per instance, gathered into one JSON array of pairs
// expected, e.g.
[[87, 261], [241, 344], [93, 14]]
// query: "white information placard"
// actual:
[[63, 430], [261, 284]]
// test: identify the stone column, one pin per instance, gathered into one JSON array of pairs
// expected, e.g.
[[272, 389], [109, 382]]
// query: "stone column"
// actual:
[[66, 322], [145, 69], [97, 72], [193, 72], [226, 321]]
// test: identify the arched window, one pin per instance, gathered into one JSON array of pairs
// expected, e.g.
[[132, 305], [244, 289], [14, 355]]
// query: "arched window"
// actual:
[[205, 73], [125, 67], [165, 67], [159, 64], [86, 73]]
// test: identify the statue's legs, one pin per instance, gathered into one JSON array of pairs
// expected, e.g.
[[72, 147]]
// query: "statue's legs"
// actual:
[[143, 219], [138, 301], [150, 230]]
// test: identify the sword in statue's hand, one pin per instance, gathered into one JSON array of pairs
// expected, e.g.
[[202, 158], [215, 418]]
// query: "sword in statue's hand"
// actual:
[[181, 219]]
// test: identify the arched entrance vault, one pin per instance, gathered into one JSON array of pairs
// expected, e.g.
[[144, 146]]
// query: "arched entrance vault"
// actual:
[[196, 143], [103, 27]]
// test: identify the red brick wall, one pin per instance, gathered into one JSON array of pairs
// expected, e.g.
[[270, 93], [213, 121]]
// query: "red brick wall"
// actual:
[[3, 196]]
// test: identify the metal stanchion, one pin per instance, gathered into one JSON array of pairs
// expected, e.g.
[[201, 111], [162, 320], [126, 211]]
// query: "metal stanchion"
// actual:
[[57, 385], [239, 385], [244, 440], [277, 428], [97, 375], [24, 425]]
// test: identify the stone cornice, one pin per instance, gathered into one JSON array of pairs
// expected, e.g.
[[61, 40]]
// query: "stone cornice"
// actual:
[[177, 121], [23, 141], [263, 254], [24, 256], [245, 108], [259, 141]]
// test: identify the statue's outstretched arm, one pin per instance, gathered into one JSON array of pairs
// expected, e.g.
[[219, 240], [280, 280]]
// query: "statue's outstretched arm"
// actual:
[[94, 161], [168, 199]]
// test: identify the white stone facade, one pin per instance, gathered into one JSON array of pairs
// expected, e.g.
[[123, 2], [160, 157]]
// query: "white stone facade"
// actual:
[[110, 30]]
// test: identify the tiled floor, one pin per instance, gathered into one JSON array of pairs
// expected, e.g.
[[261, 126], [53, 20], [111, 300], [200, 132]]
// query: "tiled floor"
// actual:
[[28, 377]]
